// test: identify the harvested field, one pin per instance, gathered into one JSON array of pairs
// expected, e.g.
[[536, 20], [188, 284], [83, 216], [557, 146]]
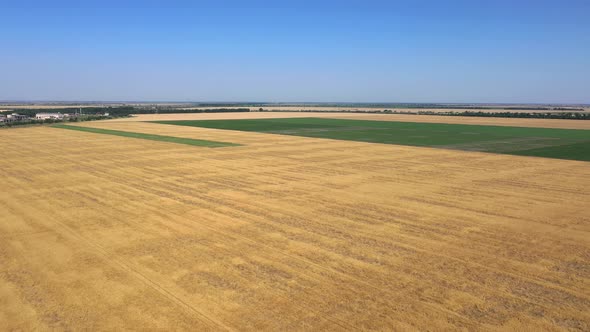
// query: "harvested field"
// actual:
[[105, 232]]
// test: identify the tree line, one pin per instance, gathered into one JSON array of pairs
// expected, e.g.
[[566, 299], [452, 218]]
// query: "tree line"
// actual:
[[119, 111], [534, 115]]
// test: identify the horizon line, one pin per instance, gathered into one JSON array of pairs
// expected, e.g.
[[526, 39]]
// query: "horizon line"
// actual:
[[285, 103]]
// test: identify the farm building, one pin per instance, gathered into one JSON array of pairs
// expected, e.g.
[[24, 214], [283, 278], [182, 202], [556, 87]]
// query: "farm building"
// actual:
[[15, 117], [43, 116]]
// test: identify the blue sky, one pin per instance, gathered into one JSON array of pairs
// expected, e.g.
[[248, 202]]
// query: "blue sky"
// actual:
[[324, 51]]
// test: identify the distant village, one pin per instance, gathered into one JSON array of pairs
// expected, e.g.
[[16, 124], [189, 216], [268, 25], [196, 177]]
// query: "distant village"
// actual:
[[9, 117]]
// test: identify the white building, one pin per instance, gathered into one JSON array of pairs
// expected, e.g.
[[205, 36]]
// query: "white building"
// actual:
[[15, 117], [43, 116]]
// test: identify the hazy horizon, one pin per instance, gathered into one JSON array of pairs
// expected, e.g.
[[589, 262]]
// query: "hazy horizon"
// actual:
[[457, 52], [286, 103]]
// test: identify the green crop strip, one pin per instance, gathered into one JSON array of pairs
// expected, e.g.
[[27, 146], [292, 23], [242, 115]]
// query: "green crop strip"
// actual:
[[541, 142], [152, 137]]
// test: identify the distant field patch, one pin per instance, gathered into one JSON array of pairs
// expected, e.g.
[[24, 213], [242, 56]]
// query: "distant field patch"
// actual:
[[152, 137], [541, 142]]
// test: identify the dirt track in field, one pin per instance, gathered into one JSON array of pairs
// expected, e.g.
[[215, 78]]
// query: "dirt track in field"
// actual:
[[540, 123], [286, 233]]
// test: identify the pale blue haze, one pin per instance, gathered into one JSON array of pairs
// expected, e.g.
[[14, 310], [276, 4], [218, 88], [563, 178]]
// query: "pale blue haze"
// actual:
[[324, 51]]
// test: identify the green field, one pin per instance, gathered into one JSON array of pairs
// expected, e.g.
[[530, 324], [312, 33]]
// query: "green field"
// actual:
[[170, 139], [540, 142]]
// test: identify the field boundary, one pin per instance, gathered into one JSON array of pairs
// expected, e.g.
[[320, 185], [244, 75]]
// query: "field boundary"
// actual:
[[152, 137]]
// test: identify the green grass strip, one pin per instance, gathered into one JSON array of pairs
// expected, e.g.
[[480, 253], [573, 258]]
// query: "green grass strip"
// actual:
[[571, 144], [152, 137]]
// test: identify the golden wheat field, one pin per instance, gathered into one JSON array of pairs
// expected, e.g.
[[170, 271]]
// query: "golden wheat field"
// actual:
[[284, 233]]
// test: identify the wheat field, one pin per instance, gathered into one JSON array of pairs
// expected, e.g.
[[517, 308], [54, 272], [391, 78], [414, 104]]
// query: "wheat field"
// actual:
[[284, 233]]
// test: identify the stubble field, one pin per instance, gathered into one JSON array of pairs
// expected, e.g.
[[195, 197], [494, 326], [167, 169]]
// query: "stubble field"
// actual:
[[107, 232]]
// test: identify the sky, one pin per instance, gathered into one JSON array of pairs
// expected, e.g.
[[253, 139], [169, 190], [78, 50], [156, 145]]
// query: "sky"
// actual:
[[296, 51]]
